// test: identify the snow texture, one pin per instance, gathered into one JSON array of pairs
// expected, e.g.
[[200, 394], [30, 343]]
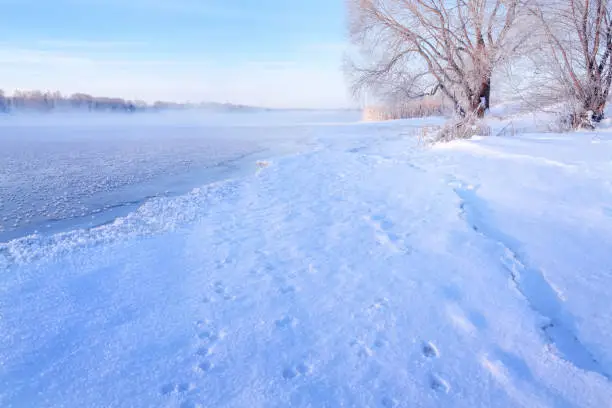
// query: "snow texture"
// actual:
[[362, 271]]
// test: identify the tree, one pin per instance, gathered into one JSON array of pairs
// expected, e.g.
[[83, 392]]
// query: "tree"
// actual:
[[579, 34], [3, 102], [410, 48], [82, 101]]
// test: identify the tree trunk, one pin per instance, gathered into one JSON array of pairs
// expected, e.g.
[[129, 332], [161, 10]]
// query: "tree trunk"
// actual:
[[481, 101], [592, 112], [484, 97], [598, 110], [598, 114]]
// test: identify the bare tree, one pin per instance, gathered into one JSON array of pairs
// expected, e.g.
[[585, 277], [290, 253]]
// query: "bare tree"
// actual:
[[579, 35], [412, 48], [3, 102]]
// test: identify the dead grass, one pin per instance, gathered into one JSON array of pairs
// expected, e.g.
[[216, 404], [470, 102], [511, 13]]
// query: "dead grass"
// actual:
[[428, 106]]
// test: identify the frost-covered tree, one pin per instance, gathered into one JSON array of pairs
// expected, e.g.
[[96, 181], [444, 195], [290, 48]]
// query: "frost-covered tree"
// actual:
[[579, 38], [410, 48]]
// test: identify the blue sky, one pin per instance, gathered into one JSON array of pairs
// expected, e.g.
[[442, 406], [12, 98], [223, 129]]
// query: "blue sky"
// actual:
[[277, 53]]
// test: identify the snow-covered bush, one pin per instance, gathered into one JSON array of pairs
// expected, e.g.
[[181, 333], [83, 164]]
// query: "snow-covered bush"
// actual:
[[463, 128]]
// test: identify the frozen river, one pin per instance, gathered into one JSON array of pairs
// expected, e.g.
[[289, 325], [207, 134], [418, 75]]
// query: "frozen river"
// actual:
[[57, 173]]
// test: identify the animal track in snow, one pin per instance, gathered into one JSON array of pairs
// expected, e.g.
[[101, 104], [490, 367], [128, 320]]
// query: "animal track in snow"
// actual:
[[382, 222], [205, 351], [176, 388], [384, 235], [439, 384], [207, 340], [286, 322], [290, 373], [168, 389], [388, 402], [298, 370], [208, 336], [219, 287], [204, 367], [430, 350], [211, 337], [285, 290], [303, 368]]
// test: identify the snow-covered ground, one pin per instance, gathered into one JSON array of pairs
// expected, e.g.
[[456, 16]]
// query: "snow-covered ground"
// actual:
[[364, 271]]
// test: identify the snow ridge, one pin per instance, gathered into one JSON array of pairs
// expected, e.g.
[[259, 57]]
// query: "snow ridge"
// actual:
[[154, 217], [559, 326]]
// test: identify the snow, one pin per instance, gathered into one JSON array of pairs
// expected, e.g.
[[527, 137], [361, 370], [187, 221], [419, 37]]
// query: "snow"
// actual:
[[362, 270]]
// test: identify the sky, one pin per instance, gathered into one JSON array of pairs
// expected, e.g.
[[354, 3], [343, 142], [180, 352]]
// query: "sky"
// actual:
[[274, 53]]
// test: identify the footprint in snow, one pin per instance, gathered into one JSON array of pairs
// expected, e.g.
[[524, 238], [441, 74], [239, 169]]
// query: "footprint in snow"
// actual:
[[204, 367], [388, 402], [207, 340], [210, 337], [176, 388], [290, 373], [286, 290], [438, 384], [205, 351], [286, 322], [430, 350], [301, 369], [167, 389], [384, 235], [221, 291], [382, 222]]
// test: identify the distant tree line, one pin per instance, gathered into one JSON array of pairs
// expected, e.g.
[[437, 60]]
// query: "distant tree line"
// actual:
[[39, 101]]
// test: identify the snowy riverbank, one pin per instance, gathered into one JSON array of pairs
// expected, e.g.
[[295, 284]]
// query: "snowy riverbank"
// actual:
[[364, 272]]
